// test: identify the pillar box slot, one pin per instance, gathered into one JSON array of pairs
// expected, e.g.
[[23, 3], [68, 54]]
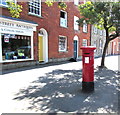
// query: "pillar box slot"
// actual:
[[88, 68]]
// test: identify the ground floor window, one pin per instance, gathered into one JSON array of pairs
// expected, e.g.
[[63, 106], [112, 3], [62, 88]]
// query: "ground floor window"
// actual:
[[15, 47], [84, 42], [62, 43]]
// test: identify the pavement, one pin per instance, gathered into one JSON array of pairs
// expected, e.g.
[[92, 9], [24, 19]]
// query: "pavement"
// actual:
[[56, 88]]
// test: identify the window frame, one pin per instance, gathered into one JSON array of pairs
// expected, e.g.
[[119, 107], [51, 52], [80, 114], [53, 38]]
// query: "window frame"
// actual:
[[65, 50], [16, 60], [85, 27], [76, 26], [84, 41], [31, 13], [76, 3], [6, 4], [95, 30], [65, 26]]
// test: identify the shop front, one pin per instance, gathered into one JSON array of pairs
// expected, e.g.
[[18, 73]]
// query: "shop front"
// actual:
[[16, 40]]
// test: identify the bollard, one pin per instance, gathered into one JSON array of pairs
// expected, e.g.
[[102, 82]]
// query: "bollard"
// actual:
[[88, 68]]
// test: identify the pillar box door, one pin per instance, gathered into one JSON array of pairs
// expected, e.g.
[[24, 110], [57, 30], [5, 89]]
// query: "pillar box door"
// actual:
[[88, 68]]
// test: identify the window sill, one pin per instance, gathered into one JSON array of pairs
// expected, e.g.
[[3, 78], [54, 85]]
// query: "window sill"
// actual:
[[63, 27], [63, 51], [35, 15], [76, 30], [17, 60], [85, 32]]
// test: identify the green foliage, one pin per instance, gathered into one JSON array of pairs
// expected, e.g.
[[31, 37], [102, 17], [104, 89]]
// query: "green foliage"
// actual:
[[61, 4], [49, 2], [103, 14], [14, 8]]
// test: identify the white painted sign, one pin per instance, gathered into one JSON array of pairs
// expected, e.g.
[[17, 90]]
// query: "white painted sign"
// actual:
[[15, 25], [15, 31], [86, 59], [21, 25]]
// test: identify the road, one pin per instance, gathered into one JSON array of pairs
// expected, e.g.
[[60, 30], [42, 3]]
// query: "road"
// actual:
[[56, 88]]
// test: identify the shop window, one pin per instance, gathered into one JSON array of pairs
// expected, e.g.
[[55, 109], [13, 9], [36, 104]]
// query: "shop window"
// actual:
[[35, 7], [84, 43], [62, 43], [3, 2], [76, 26], [15, 47], [63, 19]]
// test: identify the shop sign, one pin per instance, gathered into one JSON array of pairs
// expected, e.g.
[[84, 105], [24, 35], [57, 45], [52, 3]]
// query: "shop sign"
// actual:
[[16, 25], [6, 38], [15, 31]]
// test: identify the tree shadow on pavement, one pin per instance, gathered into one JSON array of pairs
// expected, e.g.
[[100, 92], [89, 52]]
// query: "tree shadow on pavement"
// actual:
[[60, 91]]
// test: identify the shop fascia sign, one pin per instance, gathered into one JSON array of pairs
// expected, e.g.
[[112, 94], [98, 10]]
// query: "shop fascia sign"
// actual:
[[10, 24]]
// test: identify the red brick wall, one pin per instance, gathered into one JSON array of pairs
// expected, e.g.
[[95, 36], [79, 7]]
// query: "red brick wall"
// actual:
[[50, 21], [116, 46]]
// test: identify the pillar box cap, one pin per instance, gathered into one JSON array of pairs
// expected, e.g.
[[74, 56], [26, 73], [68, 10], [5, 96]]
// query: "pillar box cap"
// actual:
[[88, 48]]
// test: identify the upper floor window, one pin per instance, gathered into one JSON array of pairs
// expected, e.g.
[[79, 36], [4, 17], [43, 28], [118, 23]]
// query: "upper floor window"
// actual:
[[76, 26], [76, 2], [63, 19], [85, 27], [101, 32], [95, 30], [3, 2], [35, 7]]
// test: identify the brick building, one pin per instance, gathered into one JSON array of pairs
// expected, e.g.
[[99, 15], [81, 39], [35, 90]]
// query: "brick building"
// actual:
[[98, 38], [114, 47], [41, 34]]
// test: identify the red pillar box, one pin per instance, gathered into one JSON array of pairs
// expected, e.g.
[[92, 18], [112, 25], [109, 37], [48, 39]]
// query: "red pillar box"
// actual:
[[88, 68]]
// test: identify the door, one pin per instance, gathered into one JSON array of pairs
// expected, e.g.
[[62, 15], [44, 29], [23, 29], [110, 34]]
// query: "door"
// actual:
[[40, 48], [75, 49]]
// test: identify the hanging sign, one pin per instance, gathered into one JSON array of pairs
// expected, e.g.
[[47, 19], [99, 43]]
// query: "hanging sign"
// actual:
[[6, 38]]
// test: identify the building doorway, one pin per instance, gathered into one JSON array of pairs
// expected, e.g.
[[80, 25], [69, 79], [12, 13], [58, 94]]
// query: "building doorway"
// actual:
[[75, 55], [43, 46]]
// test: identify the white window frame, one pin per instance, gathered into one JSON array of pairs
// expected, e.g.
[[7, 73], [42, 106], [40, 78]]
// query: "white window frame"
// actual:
[[84, 42], [17, 60], [39, 7], [76, 2], [76, 26], [6, 4], [85, 27], [95, 30], [65, 49], [63, 19], [101, 32]]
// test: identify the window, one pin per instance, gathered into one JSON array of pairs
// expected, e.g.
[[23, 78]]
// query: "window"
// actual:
[[3, 2], [100, 44], [76, 26], [35, 7], [15, 47], [62, 43], [85, 27], [101, 32], [104, 33], [95, 30], [84, 43], [76, 2], [63, 19]]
